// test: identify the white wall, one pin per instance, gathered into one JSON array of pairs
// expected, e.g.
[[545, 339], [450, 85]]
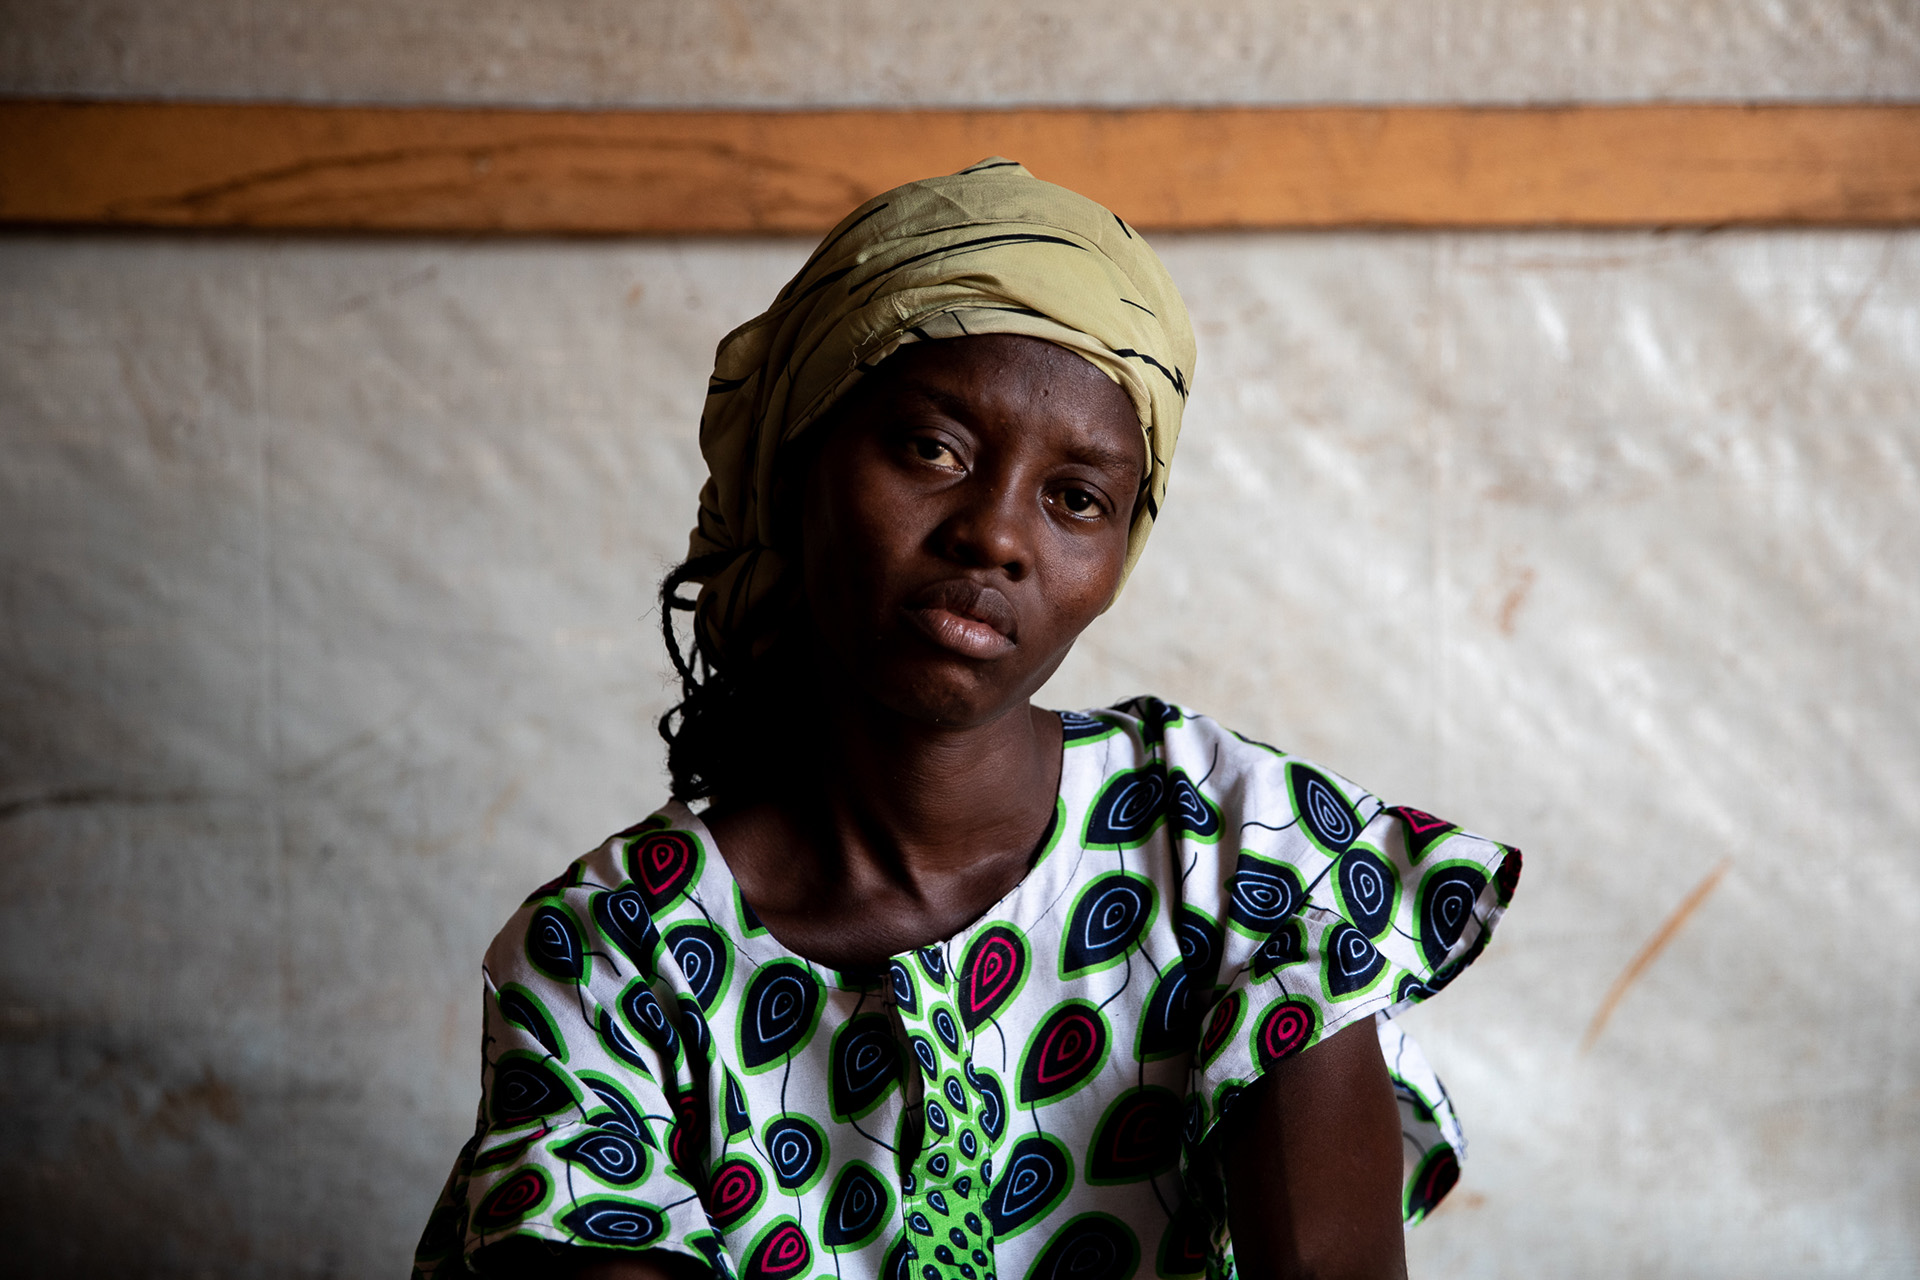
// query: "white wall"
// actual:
[[325, 630]]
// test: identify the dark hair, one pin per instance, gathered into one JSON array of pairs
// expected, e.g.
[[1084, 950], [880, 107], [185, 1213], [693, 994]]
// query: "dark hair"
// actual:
[[740, 705], [724, 736], [742, 700]]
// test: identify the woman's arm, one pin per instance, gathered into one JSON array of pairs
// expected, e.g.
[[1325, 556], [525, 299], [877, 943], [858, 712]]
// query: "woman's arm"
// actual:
[[653, 1265], [1313, 1167]]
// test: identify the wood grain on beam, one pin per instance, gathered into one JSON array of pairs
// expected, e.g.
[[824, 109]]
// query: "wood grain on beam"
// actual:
[[435, 169]]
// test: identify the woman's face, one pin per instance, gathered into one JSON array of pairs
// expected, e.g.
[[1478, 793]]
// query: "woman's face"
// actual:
[[966, 518]]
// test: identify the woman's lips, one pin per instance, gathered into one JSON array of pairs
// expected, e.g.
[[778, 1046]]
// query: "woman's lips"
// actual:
[[967, 618]]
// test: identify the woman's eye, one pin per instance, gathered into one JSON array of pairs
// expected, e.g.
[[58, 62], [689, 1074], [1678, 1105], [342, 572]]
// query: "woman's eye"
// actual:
[[933, 451], [1079, 501]]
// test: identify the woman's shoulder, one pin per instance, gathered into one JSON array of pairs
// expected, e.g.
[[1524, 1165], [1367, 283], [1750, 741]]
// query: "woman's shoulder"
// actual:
[[613, 892], [1191, 751], [1276, 861], [1246, 802], [1147, 765], [1154, 725], [1222, 763]]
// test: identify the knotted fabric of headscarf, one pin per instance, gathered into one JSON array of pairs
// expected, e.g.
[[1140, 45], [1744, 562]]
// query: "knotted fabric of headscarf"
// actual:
[[988, 250]]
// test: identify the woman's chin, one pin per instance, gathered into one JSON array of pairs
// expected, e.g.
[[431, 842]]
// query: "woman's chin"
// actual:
[[948, 695], [907, 674]]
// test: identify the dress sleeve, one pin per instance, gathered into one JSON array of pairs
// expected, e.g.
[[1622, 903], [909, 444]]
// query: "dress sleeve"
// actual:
[[593, 1112], [1338, 909]]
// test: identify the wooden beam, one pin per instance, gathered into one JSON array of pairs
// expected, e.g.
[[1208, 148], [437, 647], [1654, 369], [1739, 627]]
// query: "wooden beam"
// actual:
[[435, 169]]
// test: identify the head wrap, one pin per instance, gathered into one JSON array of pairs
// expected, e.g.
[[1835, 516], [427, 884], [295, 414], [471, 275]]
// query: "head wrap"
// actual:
[[990, 249]]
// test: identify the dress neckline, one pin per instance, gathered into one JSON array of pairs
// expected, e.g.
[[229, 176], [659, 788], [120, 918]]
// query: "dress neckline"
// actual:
[[727, 909]]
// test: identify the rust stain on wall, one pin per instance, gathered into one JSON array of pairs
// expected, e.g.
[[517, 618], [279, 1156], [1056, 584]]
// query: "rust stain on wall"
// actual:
[[1662, 937], [1515, 597]]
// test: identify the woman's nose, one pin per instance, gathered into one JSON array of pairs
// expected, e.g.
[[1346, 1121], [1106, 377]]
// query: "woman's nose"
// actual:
[[991, 528]]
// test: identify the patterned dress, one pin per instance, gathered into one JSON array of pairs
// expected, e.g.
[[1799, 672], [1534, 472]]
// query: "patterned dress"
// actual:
[[1033, 1098]]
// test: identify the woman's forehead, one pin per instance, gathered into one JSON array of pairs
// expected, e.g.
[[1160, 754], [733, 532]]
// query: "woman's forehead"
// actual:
[[1030, 381]]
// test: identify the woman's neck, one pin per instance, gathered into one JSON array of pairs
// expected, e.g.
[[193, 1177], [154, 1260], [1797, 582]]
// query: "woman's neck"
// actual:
[[930, 800], [894, 833]]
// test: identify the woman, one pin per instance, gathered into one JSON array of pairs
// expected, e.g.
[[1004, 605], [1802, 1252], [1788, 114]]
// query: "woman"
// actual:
[[938, 983]]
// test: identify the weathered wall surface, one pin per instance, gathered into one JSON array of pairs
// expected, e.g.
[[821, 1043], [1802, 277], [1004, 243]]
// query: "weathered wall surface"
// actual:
[[325, 629], [844, 52]]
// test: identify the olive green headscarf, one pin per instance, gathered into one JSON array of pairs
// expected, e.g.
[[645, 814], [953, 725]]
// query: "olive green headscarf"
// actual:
[[990, 249]]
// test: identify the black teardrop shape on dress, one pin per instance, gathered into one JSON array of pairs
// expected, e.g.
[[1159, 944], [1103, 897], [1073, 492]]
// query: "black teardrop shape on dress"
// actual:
[[925, 1055], [624, 919], [1323, 809], [615, 1222], [1037, 1173], [621, 1113], [933, 962], [1221, 1024], [1262, 893], [1285, 945], [525, 1089], [701, 954], [1106, 921], [687, 1141], [645, 1014], [904, 994], [695, 1032], [617, 1043], [1075, 726], [554, 946], [1172, 1017], [1128, 809], [854, 1210], [613, 1157], [525, 1012], [1201, 947], [1410, 988], [1285, 1030], [1446, 905], [1367, 889], [1192, 813], [778, 1012], [866, 1063], [796, 1150], [1091, 1247], [898, 1264], [734, 1189]]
